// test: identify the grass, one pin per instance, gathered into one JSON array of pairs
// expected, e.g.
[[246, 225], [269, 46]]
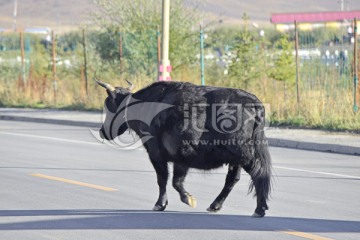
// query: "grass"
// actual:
[[316, 110]]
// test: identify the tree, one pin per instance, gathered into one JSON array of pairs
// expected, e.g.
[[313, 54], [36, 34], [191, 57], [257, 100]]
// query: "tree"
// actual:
[[244, 67], [284, 64], [138, 21]]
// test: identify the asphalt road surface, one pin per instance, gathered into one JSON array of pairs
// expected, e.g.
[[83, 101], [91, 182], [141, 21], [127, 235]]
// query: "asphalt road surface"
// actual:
[[59, 182]]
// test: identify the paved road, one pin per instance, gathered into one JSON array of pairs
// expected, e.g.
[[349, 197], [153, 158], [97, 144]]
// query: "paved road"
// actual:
[[58, 182], [314, 140]]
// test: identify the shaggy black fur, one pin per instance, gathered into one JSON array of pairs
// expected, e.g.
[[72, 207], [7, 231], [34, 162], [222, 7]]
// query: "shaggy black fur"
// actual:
[[177, 139]]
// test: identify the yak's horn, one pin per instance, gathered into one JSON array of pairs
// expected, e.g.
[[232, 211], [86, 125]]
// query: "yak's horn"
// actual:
[[105, 85], [131, 86]]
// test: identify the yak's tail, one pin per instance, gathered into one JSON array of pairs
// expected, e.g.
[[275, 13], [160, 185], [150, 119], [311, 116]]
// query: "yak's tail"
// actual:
[[260, 167]]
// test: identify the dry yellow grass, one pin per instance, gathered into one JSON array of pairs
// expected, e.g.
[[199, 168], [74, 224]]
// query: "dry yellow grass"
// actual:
[[317, 108]]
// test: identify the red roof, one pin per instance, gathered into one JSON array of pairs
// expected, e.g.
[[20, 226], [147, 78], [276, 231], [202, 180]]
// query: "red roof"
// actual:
[[314, 17]]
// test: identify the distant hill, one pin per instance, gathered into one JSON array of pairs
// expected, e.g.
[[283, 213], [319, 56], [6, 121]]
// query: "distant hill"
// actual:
[[65, 14], [59, 14]]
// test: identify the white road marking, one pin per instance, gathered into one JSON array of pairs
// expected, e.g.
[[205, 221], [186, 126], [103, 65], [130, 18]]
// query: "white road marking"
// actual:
[[51, 138], [316, 172], [98, 143]]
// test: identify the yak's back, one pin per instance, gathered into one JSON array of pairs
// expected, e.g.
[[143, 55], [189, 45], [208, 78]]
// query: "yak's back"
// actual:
[[180, 93]]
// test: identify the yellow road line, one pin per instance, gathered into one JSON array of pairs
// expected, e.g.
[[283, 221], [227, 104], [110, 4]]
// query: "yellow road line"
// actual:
[[305, 235], [74, 182]]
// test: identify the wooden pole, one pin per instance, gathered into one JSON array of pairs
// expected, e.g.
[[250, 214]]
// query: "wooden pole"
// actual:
[[165, 62], [23, 80], [85, 63], [54, 65], [297, 62], [15, 15], [121, 53]]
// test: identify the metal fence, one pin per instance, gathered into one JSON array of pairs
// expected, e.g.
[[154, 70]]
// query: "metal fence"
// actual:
[[326, 61], [49, 62], [326, 65]]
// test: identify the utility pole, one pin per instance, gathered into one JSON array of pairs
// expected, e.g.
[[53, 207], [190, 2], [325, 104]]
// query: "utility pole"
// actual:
[[342, 4], [15, 15], [165, 67]]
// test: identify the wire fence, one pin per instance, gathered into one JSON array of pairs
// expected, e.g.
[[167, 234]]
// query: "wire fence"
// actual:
[[326, 69], [45, 65], [326, 66]]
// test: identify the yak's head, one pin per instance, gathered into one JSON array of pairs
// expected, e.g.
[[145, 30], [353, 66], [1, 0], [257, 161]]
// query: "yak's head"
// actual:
[[115, 110]]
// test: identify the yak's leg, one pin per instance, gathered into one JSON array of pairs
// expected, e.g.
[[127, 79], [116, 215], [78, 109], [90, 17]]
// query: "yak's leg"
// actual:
[[261, 183], [178, 183], [233, 176], [162, 173]]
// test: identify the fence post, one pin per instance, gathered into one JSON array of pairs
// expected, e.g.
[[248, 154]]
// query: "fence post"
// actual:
[[54, 64], [121, 52], [23, 79], [158, 50], [85, 62], [202, 65], [356, 108], [297, 62], [159, 45]]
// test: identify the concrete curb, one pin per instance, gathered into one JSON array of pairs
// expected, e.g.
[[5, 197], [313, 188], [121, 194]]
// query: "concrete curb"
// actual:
[[311, 146], [274, 142]]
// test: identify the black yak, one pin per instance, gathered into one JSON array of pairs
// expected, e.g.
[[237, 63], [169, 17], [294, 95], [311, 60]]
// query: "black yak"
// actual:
[[198, 127]]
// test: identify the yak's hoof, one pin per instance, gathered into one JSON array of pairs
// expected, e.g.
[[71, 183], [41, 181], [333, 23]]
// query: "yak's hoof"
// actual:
[[190, 200], [160, 208], [260, 212], [256, 215], [214, 208]]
